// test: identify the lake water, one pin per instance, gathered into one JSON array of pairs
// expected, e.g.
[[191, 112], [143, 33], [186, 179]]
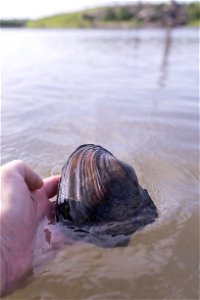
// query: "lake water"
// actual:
[[135, 92]]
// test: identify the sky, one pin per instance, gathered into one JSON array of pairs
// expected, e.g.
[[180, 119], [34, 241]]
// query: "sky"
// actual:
[[19, 9]]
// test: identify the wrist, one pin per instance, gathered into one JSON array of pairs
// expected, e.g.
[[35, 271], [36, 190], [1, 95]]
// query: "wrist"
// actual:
[[3, 276], [15, 261]]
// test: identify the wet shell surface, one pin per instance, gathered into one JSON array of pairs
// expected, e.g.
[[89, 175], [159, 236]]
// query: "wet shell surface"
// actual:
[[100, 194]]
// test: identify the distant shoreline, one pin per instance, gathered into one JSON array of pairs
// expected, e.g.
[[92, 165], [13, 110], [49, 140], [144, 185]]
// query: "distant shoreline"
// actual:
[[115, 17], [100, 28]]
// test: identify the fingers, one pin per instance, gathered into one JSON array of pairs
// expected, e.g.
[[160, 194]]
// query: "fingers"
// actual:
[[18, 167], [51, 185], [32, 179]]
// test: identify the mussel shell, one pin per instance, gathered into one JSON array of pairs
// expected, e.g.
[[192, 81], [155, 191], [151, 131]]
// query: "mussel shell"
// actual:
[[99, 192], [111, 234]]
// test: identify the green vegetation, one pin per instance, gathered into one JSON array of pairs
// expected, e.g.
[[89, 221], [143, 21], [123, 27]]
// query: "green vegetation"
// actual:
[[117, 14], [193, 13], [126, 16], [195, 23], [100, 17], [60, 21]]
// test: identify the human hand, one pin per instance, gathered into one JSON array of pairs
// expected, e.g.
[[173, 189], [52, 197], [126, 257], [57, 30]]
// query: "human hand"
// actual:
[[24, 201]]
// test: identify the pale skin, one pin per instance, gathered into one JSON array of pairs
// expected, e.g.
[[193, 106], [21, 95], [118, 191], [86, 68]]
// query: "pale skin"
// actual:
[[24, 202]]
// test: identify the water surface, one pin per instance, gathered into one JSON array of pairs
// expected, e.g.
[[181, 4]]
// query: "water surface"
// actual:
[[135, 92]]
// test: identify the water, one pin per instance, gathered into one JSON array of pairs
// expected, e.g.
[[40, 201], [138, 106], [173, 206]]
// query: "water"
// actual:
[[135, 92]]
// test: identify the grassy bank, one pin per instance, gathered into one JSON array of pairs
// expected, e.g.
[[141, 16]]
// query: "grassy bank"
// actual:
[[193, 14], [80, 20], [127, 16], [60, 21]]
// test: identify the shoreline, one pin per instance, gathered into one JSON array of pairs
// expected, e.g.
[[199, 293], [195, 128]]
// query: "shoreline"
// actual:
[[145, 15], [102, 28]]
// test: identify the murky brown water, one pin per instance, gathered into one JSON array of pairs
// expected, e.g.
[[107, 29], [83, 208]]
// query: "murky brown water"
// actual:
[[135, 92]]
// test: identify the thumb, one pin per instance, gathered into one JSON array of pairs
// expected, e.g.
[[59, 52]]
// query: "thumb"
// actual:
[[49, 189], [51, 186]]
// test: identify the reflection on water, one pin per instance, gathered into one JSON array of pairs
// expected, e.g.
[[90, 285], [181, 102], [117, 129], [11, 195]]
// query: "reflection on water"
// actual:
[[135, 92], [167, 45]]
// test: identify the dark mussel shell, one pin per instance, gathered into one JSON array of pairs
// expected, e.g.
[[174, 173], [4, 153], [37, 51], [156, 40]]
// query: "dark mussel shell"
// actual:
[[98, 192]]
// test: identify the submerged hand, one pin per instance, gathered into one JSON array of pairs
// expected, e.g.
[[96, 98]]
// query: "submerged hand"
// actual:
[[24, 201]]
